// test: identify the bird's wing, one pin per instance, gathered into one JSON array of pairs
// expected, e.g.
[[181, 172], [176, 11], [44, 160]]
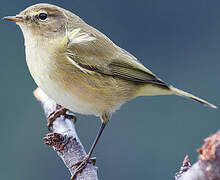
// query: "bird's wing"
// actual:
[[95, 53]]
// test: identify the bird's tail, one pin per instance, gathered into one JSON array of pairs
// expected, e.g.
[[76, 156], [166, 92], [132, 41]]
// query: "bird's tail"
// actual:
[[188, 95], [151, 90]]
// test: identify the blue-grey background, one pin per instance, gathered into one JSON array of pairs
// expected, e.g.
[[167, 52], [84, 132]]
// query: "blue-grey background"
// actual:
[[149, 137]]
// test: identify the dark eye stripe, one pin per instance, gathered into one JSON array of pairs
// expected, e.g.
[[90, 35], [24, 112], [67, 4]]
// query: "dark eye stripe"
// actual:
[[43, 16]]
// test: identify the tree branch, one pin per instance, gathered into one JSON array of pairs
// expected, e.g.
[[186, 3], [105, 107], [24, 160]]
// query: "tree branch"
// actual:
[[208, 165], [65, 140]]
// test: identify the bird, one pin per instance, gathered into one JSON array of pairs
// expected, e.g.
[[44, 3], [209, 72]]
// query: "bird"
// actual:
[[82, 69]]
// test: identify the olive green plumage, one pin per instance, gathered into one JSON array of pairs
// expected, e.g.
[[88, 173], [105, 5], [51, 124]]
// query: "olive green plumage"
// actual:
[[82, 69]]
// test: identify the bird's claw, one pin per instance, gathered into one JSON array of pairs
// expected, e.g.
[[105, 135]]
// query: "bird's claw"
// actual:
[[80, 165], [60, 110]]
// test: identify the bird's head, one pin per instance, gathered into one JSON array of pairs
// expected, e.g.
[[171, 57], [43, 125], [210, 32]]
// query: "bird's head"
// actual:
[[44, 20]]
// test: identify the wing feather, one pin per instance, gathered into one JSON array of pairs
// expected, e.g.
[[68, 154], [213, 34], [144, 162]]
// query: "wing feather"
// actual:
[[94, 52]]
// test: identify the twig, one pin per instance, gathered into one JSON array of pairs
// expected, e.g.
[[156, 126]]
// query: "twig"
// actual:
[[65, 140], [185, 167], [208, 165]]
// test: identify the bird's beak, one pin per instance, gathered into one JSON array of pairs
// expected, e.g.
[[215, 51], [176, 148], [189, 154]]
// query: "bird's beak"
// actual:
[[16, 19]]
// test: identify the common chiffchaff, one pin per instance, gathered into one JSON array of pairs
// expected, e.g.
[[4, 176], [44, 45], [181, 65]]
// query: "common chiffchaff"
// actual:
[[82, 69]]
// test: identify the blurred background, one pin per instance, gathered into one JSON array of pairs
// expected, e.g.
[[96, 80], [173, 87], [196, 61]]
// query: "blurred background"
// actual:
[[149, 137]]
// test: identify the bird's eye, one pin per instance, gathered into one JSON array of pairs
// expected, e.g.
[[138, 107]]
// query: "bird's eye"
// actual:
[[42, 16]]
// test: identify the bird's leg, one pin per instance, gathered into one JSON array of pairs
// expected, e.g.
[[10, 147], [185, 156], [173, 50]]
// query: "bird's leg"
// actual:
[[60, 110], [87, 159]]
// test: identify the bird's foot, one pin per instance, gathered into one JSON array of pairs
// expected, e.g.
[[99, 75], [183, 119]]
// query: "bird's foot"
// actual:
[[56, 140], [80, 165], [60, 110]]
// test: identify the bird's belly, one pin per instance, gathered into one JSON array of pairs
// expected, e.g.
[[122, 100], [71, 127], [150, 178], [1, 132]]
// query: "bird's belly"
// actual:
[[69, 100]]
